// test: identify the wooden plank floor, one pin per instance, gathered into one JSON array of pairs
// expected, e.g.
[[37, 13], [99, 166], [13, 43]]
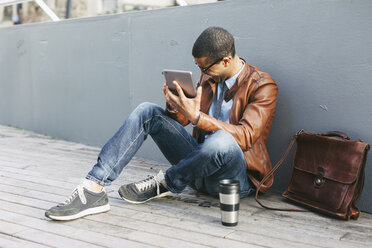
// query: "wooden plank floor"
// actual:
[[37, 172]]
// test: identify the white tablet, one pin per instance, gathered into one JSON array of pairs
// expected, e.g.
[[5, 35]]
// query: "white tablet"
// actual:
[[183, 78]]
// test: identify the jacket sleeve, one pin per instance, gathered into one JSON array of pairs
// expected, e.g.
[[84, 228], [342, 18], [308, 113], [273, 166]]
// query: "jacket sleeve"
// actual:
[[256, 115]]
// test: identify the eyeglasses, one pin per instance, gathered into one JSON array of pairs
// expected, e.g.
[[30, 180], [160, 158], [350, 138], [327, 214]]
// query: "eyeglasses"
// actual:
[[204, 70]]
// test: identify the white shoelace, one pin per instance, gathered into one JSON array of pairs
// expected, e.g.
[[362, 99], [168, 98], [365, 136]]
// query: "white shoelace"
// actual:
[[151, 182], [78, 191]]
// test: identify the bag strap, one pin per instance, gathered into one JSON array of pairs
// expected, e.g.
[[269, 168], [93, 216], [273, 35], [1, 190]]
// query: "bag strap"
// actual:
[[337, 134], [271, 173]]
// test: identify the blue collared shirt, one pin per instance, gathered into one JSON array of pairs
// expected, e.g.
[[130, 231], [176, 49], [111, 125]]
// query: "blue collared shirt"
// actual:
[[226, 106]]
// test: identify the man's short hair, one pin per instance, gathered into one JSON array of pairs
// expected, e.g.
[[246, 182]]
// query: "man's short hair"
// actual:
[[214, 43]]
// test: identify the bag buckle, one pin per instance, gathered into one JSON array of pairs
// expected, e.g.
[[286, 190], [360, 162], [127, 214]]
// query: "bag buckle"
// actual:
[[299, 132], [319, 179]]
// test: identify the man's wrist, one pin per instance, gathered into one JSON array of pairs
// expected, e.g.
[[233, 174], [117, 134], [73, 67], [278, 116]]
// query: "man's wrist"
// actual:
[[169, 108], [197, 121]]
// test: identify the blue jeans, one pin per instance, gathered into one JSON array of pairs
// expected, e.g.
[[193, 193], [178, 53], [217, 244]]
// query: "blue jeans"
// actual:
[[201, 166]]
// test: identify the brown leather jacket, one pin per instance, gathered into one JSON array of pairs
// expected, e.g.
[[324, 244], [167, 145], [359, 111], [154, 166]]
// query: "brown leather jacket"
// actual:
[[254, 102]]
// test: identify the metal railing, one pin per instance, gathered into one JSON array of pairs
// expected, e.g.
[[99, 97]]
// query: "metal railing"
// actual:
[[41, 3]]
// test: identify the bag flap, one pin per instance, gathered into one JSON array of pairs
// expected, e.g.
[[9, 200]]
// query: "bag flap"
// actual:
[[332, 158]]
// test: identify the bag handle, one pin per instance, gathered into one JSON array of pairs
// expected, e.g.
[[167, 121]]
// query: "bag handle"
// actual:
[[337, 134], [271, 173]]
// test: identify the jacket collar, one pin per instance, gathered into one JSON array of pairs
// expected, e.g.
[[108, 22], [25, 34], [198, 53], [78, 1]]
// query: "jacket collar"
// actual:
[[239, 81]]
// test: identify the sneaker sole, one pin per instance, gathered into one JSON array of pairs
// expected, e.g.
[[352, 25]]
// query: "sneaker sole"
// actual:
[[139, 202], [86, 212]]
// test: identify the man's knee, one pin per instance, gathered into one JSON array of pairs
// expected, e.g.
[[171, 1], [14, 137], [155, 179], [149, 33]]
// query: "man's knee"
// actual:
[[148, 108], [220, 141]]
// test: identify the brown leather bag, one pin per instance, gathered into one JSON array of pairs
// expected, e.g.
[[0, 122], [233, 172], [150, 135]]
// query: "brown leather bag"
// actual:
[[328, 173]]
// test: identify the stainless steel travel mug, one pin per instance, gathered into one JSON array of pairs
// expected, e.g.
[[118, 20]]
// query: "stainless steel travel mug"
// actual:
[[229, 201]]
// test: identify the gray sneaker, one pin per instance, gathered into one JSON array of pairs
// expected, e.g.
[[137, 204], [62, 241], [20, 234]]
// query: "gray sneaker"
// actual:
[[81, 202], [144, 190]]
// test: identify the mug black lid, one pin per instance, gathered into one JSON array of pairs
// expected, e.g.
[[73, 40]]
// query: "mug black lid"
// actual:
[[230, 182], [229, 186]]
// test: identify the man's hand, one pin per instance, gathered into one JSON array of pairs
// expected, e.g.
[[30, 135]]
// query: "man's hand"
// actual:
[[188, 107]]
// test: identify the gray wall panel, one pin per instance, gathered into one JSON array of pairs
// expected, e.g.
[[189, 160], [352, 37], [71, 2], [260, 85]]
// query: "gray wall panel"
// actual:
[[78, 79]]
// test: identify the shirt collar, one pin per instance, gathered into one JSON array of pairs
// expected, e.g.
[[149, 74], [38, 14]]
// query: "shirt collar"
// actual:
[[231, 81]]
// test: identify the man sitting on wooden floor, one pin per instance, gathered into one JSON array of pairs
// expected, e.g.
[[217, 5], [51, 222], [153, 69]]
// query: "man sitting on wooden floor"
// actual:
[[232, 115]]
